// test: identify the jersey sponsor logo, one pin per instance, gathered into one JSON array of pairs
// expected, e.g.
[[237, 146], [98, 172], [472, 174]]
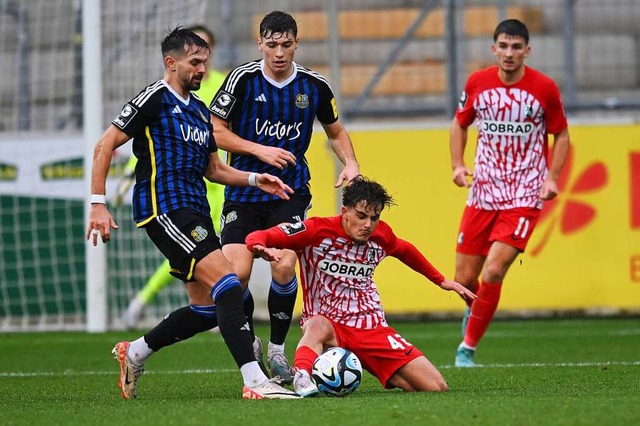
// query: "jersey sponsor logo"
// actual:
[[302, 100], [292, 228], [195, 134], [125, 116], [507, 128], [199, 233], [463, 100], [223, 103], [278, 129], [337, 268]]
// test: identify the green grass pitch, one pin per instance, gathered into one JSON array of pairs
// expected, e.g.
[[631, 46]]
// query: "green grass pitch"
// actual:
[[542, 372]]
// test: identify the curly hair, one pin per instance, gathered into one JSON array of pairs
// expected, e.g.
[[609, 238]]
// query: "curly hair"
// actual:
[[372, 193]]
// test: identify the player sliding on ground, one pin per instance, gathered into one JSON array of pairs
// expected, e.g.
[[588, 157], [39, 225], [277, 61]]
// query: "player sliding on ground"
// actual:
[[338, 256]]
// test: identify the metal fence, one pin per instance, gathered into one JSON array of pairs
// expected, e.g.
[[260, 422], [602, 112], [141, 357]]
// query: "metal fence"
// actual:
[[384, 58]]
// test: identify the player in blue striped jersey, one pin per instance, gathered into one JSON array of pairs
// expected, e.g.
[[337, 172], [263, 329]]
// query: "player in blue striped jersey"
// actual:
[[173, 141], [263, 116]]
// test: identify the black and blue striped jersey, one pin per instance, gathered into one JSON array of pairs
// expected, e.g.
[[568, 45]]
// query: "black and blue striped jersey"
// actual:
[[270, 113], [173, 140]]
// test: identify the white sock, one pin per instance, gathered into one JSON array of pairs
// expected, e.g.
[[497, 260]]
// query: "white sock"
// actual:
[[464, 345], [139, 351], [275, 348], [252, 375], [256, 344]]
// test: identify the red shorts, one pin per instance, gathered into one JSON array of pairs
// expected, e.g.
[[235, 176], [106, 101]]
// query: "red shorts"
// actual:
[[381, 350], [480, 228]]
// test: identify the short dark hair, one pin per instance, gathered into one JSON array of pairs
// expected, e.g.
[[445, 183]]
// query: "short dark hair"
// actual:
[[179, 40], [512, 27], [278, 22], [363, 189], [199, 28]]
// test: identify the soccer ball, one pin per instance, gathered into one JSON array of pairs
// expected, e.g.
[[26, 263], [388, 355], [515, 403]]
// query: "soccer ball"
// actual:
[[337, 372]]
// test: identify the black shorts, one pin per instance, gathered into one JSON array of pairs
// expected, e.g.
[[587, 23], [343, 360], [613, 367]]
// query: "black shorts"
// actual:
[[240, 219], [184, 237]]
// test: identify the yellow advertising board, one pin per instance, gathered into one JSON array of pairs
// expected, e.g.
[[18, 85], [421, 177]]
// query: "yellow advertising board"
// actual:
[[585, 251]]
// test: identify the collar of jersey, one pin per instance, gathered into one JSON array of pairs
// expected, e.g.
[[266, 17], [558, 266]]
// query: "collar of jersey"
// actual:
[[180, 98], [280, 84]]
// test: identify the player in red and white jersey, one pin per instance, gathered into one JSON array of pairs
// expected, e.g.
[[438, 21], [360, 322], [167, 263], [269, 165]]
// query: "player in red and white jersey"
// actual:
[[515, 107], [338, 257]]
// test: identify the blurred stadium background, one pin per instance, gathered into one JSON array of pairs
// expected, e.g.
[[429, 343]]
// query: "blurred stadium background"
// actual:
[[395, 65]]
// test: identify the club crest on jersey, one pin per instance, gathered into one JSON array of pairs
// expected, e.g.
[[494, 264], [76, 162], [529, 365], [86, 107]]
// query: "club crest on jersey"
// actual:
[[125, 116], [528, 111], [292, 228], [302, 101], [463, 100], [199, 233], [230, 217], [372, 255], [223, 103]]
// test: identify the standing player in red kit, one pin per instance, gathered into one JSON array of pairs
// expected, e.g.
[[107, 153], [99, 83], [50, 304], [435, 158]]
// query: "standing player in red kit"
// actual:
[[515, 108], [338, 256]]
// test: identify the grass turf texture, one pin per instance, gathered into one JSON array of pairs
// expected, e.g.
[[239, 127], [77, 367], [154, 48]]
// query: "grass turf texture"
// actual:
[[549, 372]]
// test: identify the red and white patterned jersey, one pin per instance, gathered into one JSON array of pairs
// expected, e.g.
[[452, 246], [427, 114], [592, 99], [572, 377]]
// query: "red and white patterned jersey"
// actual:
[[513, 123], [336, 273]]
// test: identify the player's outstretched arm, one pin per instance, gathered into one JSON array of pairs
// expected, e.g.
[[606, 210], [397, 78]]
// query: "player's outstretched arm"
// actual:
[[223, 173], [464, 292], [268, 254], [230, 142]]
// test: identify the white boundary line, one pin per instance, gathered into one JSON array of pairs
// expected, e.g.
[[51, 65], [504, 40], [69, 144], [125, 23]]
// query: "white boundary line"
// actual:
[[231, 371]]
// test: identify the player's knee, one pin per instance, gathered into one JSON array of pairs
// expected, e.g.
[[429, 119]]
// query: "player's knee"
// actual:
[[433, 384], [494, 273], [439, 385], [319, 327], [284, 269]]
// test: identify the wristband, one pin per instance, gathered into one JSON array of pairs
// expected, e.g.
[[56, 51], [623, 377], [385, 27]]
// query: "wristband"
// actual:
[[253, 179], [98, 199]]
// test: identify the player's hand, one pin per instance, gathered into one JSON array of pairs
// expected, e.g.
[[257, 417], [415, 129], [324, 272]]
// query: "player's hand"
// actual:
[[349, 173], [275, 156], [100, 223], [461, 176], [549, 190], [268, 254], [273, 185], [464, 292]]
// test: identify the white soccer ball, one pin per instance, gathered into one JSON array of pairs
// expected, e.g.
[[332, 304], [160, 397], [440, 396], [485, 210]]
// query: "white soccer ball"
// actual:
[[337, 372]]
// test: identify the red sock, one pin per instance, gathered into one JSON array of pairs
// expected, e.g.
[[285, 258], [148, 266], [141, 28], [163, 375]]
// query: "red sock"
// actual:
[[304, 358], [482, 311]]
